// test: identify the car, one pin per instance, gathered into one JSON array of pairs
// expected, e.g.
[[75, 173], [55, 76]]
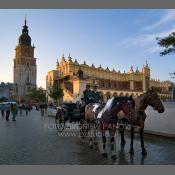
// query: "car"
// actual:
[[52, 111], [5, 103]]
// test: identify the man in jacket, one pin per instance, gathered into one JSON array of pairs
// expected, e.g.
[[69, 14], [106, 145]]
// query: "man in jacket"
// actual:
[[96, 95], [87, 95]]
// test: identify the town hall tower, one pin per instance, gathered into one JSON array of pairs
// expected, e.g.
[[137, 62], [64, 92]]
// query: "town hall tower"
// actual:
[[25, 69]]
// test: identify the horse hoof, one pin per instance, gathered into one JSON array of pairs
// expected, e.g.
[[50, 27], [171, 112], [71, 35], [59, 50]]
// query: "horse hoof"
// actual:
[[131, 151], [144, 152], [113, 157], [104, 154], [95, 143], [91, 146]]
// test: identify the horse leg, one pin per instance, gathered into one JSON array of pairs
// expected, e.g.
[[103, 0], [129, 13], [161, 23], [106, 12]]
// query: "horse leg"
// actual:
[[132, 139], [90, 140], [90, 143], [104, 143], [123, 142], [113, 147], [95, 135], [144, 152]]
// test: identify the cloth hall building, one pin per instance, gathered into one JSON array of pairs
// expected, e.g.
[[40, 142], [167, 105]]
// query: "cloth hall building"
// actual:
[[73, 77]]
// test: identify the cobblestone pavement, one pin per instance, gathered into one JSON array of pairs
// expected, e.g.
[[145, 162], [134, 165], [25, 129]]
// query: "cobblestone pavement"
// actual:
[[34, 140]]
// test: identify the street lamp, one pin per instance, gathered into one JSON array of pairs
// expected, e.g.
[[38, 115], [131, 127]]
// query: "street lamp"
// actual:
[[173, 87]]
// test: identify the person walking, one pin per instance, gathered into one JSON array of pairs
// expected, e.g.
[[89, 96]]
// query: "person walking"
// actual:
[[20, 109], [17, 108], [42, 107], [14, 112], [7, 109], [45, 108], [2, 109], [26, 109]]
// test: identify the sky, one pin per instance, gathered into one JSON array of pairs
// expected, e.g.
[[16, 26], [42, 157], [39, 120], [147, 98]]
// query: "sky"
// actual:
[[118, 38]]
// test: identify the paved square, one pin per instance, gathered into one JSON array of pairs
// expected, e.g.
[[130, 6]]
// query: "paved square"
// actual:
[[33, 140]]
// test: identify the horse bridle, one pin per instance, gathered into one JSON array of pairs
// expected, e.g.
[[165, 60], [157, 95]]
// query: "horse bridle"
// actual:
[[151, 104]]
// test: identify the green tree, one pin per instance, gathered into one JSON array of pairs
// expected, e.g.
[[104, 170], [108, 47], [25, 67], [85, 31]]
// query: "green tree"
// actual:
[[55, 92], [37, 95], [168, 43]]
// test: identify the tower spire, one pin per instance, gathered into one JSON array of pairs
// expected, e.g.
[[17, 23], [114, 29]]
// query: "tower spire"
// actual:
[[25, 21], [25, 39]]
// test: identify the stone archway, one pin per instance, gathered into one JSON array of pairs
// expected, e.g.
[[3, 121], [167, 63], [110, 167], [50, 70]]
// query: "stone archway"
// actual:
[[121, 94], [107, 95], [102, 94], [127, 94], [115, 94]]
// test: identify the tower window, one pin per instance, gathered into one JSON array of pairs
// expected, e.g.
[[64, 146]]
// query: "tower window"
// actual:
[[28, 64]]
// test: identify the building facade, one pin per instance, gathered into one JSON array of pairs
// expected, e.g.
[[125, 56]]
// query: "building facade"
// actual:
[[6, 90], [73, 77], [25, 68]]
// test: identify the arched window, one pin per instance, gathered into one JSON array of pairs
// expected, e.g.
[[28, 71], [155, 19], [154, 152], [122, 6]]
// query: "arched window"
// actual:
[[27, 79], [28, 64]]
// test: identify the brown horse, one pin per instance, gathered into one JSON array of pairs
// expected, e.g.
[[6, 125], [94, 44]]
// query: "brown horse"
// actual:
[[107, 115], [149, 98]]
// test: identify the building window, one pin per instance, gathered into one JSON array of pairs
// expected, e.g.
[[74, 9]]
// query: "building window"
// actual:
[[28, 64], [27, 80], [106, 85]]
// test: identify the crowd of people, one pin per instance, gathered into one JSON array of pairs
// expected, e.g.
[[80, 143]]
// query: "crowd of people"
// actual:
[[8, 108]]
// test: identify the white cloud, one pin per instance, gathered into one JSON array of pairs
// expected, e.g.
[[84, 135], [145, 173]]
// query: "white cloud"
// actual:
[[154, 49], [153, 36], [146, 41], [169, 15]]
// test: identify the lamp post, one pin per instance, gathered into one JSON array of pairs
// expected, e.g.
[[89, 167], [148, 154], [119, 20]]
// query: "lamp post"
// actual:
[[173, 86]]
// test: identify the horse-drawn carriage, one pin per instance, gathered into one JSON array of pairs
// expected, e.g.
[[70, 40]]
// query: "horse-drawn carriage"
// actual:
[[72, 112], [109, 116]]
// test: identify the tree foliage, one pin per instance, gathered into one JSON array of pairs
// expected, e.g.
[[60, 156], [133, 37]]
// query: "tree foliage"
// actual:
[[55, 92], [37, 95], [168, 43]]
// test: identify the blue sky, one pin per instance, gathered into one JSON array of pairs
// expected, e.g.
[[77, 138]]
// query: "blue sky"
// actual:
[[114, 38]]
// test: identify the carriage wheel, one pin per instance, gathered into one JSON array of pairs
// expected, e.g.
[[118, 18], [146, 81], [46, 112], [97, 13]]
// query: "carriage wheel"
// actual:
[[60, 122]]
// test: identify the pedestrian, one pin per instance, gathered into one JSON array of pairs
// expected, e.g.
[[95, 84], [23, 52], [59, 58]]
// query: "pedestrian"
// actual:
[[37, 107], [7, 109], [2, 109], [14, 111], [26, 109], [42, 109], [29, 107], [45, 107], [17, 108], [20, 109]]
